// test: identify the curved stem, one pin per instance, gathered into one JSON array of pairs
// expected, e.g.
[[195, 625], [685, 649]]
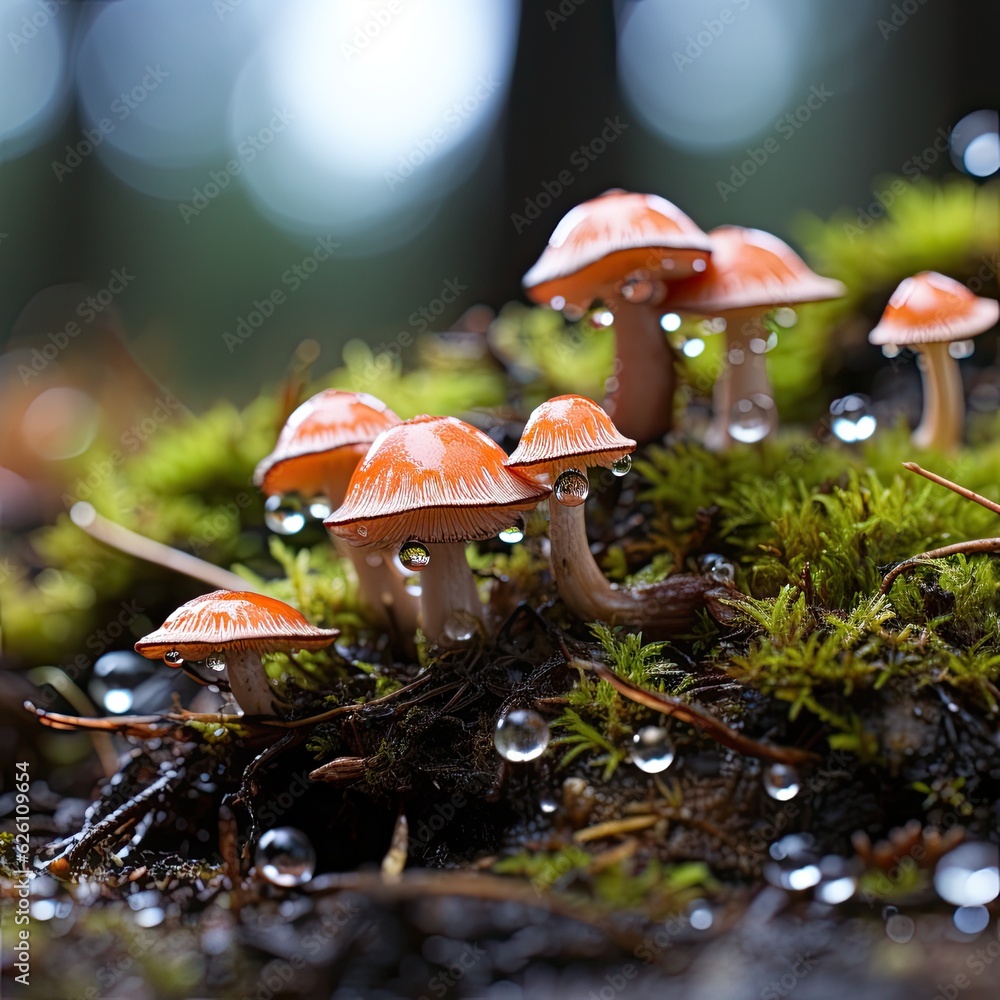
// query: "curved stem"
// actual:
[[742, 381], [944, 401], [250, 685], [662, 609], [448, 591], [642, 403]]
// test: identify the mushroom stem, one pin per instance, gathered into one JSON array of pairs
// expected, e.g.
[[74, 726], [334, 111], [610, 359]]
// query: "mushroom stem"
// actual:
[[249, 683], [943, 419], [740, 381], [382, 587], [642, 402], [448, 589], [661, 609]]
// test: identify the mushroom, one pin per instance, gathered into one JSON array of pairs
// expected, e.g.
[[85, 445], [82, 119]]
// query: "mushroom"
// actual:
[[620, 248], [561, 440], [927, 313], [750, 273], [317, 451], [429, 485], [231, 629]]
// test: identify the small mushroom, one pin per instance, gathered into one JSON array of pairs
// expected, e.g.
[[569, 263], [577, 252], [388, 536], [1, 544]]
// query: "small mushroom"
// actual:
[[561, 440], [231, 629], [927, 313], [317, 451], [427, 486], [751, 272], [621, 248]]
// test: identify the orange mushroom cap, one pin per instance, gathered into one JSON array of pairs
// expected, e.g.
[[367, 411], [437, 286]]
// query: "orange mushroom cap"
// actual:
[[600, 242], [751, 269], [233, 619], [322, 442], [931, 308], [568, 431], [436, 479]]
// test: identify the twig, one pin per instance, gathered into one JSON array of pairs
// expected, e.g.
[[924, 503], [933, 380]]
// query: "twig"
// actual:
[[697, 717], [83, 515], [960, 490], [973, 547]]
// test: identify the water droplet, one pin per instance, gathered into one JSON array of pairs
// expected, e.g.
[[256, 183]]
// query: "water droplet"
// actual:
[[285, 856], [521, 735], [118, 700], [319, 507], [900, 928], [750, 419], [622, 466], [460, 627], [699, 264], [785, 317], [781, 782], [283, 515], [670, 322], [557, 302], [215, 661], [639, 290], [602, 318], [512, 534], [414, 556], [838, 880], [794, 864], [969, 875], [362, 531], [971, 919], [572, 488], [736, 356], [717, 324], [693, 348], [173, 658], [718, 568], [699, 915], [836, 890], [548, 805], [150, 916], [652, 751], [959, 349], [890, 350], [758, 345], [852, 418]]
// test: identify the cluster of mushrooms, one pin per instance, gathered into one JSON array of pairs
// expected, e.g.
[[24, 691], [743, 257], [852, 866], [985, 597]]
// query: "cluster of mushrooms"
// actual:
[[407, 495]]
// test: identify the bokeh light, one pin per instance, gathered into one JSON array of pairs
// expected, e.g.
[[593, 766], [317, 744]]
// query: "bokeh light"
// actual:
[[975, 143]]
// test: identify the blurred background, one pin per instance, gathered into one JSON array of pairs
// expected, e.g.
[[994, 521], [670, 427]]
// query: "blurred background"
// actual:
[[375, 167]]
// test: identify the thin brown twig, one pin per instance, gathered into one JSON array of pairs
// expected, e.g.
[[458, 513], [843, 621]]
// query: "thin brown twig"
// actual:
[[977, 545], [697, 717], [954, 487]]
